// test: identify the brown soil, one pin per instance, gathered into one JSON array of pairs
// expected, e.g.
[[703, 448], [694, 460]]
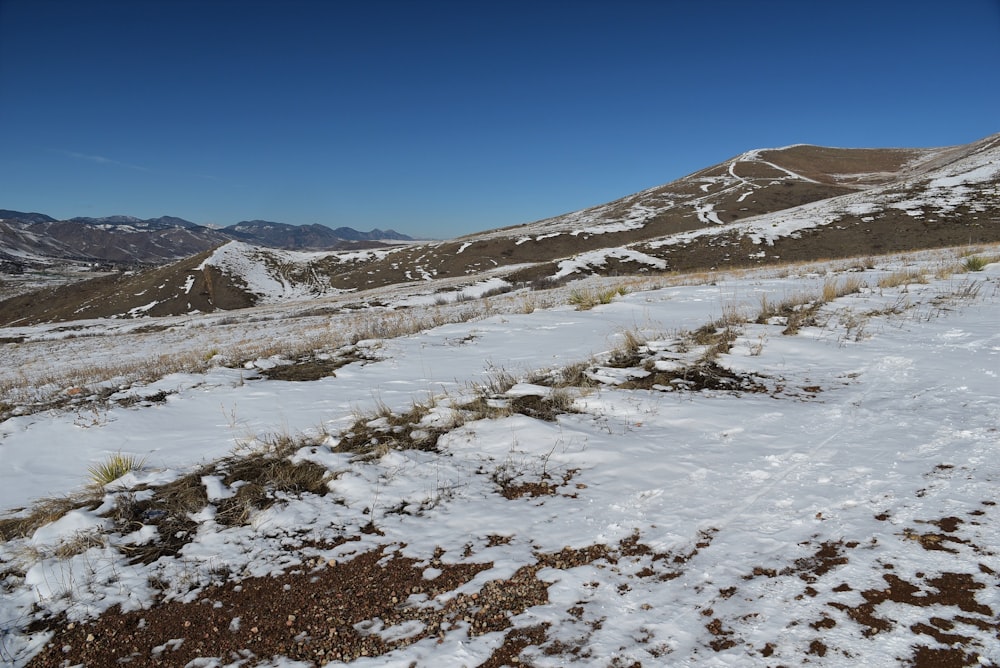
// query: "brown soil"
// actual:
[[324, 610], [306, 615], [843, 165], [318, 613], [893, 232]]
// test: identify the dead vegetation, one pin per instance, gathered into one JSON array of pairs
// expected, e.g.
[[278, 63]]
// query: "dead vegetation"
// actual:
[[23, 522], [250, 483]]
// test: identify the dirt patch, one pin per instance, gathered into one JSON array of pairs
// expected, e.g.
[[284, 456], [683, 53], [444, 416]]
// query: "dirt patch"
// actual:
[[948, 589], [947, 657], [144, 399], [827, 557], [307, 369], [545, 486], [368, 605], [889, 231], [319, 614], [703, 376], [722, 637]]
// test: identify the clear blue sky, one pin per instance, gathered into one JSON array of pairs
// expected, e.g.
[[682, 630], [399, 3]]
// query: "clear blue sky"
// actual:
[[439, 118]]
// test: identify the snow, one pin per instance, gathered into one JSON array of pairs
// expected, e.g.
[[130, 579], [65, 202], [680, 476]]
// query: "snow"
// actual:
[[975, 174], [584, 261], [264, 270], [73, 522], [878, 419], [707, 214]]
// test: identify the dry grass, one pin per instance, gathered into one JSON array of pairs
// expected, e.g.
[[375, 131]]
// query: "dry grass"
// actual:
[[586, 299], [324, 329], [373, 435], [717, 337], [901, 278], [44, 512], [949, 269], [801, 309], [786, 308], [263, 481], [498, 381], [834, 287], [627, 353], [572, 375]]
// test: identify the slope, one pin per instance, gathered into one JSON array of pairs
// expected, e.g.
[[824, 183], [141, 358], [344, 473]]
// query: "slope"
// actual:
[[794, 203]]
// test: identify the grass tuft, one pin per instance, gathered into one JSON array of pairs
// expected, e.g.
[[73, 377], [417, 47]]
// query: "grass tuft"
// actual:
[[975, 263], [584, 300], [902, 277], [113, 468], [834, 288]]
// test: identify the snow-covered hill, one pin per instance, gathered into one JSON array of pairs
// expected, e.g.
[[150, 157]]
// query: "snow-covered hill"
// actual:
[[778, 466]]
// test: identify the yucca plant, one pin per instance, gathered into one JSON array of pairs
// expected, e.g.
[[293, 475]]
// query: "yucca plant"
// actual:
[[975, 263], [113, 468]]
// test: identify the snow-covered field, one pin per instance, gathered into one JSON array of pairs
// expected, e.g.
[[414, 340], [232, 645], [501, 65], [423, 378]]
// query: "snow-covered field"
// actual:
[[837, 505]]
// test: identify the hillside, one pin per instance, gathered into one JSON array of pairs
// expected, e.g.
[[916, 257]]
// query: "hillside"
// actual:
[[789, 465], [764, 206]]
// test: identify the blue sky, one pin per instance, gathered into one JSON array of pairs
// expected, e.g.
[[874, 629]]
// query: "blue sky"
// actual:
[[440, 118]]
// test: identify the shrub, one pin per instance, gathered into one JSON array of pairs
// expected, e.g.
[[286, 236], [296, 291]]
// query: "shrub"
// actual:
[[975, 263], [113, 468]]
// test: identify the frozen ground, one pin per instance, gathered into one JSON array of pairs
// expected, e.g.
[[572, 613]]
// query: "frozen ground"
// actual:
[[836, 504]]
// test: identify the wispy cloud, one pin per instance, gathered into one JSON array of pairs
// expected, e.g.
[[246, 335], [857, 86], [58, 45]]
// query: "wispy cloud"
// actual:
[[101, 160]]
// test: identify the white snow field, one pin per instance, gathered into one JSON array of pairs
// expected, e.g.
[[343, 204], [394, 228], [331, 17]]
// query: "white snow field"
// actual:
[[837, 508]]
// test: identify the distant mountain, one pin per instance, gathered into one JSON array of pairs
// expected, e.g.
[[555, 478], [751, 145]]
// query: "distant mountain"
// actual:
[[161, 223], [311, 237], [282, 235], [796, 203], [117, 241], [7, 214], [375, 235], [27, 238]]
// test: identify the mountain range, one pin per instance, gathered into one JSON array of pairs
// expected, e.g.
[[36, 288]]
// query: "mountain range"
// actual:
[[36, 238], [763, 206]]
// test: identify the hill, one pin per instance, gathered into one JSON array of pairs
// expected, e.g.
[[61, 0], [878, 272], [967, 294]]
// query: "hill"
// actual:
[[799, 202]]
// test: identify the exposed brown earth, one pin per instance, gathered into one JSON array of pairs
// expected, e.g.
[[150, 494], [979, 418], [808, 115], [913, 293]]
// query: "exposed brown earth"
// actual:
[[322, 610]]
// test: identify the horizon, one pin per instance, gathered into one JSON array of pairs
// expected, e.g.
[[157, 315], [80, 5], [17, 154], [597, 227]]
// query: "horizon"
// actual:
[[193, 222], [436, 121]]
